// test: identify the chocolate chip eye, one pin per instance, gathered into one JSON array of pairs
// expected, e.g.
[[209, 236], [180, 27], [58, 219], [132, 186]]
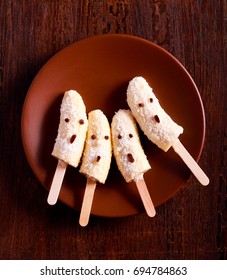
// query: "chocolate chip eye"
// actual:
[[130, 158], [130, 135], [81, 121], [98, 158], [151, 100], [72, 139], [93, 137], [119, 136], [106, 137], [157, 118], [66, 119], [141, 105]]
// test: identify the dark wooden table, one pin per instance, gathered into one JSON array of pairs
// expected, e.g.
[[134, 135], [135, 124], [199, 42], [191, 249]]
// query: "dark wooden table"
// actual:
[[193, 223]]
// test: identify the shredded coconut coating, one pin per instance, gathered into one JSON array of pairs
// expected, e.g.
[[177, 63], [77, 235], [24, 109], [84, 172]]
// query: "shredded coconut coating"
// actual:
[[98, 148], [130, 157], [153, 120], [72, 129]]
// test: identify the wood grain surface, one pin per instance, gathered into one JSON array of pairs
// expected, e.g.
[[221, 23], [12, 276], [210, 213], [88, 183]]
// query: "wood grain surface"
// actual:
[[193, 223]]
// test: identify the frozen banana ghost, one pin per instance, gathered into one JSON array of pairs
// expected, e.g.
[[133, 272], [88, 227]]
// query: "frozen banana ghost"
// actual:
[[98, 150], [157, 125], [96, 159], [153, 120], [130, 157], [70, 140]]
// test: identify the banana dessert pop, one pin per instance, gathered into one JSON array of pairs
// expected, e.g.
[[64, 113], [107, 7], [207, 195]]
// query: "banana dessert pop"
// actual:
[[130, 157], [157, 125], [96, 159], [70, 140]]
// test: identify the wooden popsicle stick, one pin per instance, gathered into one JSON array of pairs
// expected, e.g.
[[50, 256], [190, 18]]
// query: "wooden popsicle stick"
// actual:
[[145, 196], [87, 202], [191, 163], [57, 182]]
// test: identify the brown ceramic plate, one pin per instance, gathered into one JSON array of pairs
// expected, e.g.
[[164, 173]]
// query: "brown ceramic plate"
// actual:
[[99, 68]]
